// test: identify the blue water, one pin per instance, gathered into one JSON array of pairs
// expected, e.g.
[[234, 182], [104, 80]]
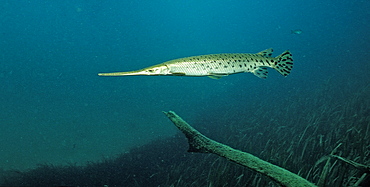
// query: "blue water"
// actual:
[[55, 109]]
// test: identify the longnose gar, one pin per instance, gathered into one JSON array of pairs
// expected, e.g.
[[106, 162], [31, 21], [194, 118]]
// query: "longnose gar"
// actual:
[[219, 65]]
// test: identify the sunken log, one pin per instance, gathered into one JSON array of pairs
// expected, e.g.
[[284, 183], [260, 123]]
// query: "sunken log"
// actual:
[[202, 144]]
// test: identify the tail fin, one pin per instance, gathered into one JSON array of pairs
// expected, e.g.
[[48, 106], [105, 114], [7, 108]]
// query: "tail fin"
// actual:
[[284, 63]]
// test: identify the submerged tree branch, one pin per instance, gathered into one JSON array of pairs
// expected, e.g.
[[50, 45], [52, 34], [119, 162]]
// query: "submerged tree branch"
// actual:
[[202, 144]]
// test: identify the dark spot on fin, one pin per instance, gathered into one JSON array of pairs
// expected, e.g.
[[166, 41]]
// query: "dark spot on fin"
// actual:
[[266, 53], [261, 72]]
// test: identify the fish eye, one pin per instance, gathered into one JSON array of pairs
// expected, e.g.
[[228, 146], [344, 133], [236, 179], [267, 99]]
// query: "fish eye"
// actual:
[[151, 71]]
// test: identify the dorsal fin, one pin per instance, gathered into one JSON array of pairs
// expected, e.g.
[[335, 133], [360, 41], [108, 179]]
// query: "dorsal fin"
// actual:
[[266, 53]]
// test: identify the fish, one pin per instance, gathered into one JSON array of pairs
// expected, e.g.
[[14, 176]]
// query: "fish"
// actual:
[[297, 31], [219, 65]]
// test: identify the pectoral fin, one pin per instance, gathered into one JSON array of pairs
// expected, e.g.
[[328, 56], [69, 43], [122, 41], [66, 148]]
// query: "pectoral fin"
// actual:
[[178, 74], [215, 76]]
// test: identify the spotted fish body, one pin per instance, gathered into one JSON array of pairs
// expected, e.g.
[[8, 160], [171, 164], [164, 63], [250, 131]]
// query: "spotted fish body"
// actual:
[[219, 65]]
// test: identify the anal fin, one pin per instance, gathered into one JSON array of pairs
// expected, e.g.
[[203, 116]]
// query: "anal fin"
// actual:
[[261, 72]]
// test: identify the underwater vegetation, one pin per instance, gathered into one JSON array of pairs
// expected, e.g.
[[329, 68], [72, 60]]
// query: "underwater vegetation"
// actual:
[[296, 133]]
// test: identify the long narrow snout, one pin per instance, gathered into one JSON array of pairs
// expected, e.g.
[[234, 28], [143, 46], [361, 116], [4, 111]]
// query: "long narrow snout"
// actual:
[[127, 73], [159, 69]]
